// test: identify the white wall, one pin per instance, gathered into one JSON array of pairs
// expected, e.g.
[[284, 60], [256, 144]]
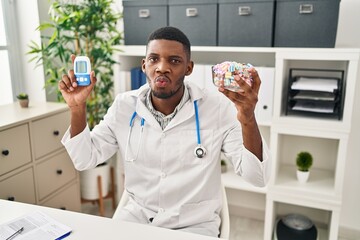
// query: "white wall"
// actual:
[[28, 21], [348, 35]]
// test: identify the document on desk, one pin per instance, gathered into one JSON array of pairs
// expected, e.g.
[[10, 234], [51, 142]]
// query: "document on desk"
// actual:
[[35, 226]]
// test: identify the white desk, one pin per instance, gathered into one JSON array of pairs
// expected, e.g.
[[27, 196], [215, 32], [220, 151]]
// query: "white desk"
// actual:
[[86, 226]]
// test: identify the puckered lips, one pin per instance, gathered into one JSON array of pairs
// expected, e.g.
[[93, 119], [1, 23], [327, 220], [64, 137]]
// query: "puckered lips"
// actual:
[[162, 81]]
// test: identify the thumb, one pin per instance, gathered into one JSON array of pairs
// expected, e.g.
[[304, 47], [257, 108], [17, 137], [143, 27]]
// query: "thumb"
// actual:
[[72, 57], [93, 78]]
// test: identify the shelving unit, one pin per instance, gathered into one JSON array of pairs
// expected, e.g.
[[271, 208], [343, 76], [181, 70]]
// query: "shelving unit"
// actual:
[[325, 138]]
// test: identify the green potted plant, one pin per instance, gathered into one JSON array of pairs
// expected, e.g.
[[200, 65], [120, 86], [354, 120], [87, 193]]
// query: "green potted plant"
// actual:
[[304, 161], [23, 100], [87, 28]]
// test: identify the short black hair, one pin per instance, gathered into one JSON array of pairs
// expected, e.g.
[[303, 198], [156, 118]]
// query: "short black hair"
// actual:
[[171, 33]]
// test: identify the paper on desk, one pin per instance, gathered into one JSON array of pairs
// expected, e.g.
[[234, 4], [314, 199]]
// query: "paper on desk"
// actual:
[[37, 226], [315, 84]]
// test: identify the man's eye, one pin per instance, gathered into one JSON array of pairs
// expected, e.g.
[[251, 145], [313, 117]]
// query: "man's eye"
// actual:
[[175, 61], [152, 59]]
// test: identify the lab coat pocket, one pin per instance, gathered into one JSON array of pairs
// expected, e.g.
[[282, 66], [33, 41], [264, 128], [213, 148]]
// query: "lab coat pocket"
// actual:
[[194, 213], [189, 142]]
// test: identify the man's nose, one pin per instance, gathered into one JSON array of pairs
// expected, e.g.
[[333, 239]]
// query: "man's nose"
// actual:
[[163, 67]]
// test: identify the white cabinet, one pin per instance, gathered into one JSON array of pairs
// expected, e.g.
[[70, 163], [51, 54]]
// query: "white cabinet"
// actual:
[[34, 166], [326, 138]]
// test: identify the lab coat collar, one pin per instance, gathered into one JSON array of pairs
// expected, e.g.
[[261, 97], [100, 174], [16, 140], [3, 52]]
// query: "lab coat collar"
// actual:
[[186, 112]]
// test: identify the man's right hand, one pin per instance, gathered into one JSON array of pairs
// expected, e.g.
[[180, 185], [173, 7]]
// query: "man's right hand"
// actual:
[[75, 96]]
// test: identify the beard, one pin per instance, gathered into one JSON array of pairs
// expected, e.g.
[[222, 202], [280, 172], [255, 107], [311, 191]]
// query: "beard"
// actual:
[[168, 94]]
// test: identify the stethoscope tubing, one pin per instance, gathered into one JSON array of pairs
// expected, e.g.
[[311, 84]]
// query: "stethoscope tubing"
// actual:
[[197, 121], [199, 151], [142, 123]]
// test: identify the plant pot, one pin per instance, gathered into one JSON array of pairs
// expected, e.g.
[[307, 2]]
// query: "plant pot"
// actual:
[[89, 182], [24, 103], [302, 176]]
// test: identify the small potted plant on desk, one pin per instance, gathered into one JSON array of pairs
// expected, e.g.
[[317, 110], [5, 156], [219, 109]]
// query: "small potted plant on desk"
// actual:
[[304, 161], [23, 100]]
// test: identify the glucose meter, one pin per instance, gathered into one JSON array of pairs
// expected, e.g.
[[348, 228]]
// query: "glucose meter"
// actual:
[[82, 69]]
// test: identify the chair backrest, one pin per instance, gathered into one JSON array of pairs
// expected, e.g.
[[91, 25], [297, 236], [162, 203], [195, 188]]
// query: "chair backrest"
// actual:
[[224, 214], [124, 199]]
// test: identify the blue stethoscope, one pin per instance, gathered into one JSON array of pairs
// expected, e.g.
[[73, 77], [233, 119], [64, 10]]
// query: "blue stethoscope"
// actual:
[[199, 151]]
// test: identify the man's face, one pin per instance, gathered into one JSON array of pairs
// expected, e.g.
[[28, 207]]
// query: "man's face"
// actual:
[[166, 65]]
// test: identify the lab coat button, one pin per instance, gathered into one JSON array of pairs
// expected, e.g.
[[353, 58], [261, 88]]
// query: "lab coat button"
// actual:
[[163, 175], [163, 135], [161, 210]]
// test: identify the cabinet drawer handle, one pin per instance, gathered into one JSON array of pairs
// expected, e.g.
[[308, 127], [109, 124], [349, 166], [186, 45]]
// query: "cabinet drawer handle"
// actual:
[[59, 171], [144, 13], [306, 9], [11, 198], [56, 133], [5, 152], [244, 11], [191, 12]]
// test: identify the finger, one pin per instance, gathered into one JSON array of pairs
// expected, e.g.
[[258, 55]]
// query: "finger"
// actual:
[[72, 57], [93, 78], [241, 81], [72, 77], [62, 86], [65, 83], [235, 97], [256, 80]]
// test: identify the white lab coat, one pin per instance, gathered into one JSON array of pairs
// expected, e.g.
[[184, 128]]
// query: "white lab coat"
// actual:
[[168, 186]]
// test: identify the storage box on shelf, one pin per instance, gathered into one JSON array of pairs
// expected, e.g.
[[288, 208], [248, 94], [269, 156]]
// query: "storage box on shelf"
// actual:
[[241, 23], [196, 18], [35, 167], [238, 20], [141, 17], [310, 23], [325, 138]]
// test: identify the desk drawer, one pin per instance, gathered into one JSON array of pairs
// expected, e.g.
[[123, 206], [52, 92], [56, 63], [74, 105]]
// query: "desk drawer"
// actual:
[[54, 173], [15, 148], [69, 199], [19, 187], [48, 132]]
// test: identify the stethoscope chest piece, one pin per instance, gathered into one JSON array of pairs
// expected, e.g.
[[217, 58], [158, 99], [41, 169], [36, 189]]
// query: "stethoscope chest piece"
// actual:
[[200, 151]]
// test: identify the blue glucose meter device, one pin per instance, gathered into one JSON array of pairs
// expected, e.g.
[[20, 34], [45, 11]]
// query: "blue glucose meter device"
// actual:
[[82, 69]]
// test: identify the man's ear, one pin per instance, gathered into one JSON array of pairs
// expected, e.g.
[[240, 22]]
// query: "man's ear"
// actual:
[[190, 68], [143, 65]]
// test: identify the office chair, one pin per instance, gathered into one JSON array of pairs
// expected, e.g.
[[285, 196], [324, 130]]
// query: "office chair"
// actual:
[[224, 214]]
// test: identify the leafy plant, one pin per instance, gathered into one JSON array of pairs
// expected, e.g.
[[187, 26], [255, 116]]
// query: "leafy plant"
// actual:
[[304, 161], [87, 27], [22, 96]]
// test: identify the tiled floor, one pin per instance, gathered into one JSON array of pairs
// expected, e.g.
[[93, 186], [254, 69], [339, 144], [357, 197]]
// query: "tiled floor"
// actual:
[[240, 228]]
